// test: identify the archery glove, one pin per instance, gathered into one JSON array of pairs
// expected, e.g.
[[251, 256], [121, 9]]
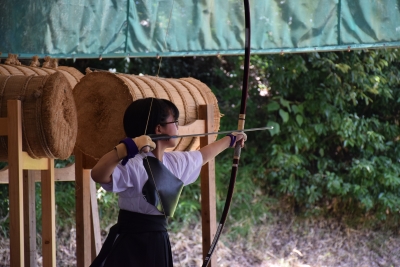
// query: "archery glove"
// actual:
[[129, 147]]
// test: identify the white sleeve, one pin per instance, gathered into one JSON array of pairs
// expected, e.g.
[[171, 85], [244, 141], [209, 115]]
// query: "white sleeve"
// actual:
[[187, 165], [131, 175]]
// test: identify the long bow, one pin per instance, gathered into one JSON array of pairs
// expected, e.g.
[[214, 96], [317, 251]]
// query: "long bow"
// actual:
[[241, 122]]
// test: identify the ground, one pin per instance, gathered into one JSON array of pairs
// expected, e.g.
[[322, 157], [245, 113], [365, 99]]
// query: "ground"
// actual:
[[284, 241]]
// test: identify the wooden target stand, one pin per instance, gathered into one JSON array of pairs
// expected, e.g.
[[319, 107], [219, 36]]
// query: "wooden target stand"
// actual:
[[22, 192], [23, 171], [21, 175]]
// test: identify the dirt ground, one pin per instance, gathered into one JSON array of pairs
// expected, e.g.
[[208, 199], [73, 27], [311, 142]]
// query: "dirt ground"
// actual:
[[287, 242]]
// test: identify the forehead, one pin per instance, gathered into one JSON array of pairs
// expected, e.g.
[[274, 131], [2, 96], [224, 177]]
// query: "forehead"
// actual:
[[171, 113], [170, 116]]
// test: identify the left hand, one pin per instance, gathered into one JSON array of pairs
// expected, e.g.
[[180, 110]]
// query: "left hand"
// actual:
[[241, 137]]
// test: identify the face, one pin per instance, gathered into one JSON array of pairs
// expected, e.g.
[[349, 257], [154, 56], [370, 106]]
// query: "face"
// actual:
[[170, 129]]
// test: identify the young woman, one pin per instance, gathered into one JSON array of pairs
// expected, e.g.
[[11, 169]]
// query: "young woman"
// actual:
[[148, 181]]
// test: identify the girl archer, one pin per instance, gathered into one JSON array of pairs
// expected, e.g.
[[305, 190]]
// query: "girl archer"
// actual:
[[148, 181]]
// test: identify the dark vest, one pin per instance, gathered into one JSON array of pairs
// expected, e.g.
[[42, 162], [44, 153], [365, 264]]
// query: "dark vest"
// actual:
[[162, 188]]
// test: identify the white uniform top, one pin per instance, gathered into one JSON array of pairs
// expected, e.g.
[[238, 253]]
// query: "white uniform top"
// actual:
[[129, 180]]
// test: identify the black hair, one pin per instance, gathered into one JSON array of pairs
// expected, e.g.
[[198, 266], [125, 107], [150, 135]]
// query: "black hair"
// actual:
[[136, 115]]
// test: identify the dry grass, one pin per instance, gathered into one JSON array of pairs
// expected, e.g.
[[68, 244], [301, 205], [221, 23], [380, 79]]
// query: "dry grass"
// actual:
[[285, 241]]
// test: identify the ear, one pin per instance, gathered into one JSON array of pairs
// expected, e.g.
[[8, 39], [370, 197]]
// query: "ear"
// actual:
[[158, 129]]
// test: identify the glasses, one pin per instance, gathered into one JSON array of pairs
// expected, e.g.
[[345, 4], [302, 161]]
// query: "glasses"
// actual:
[[176, 123]]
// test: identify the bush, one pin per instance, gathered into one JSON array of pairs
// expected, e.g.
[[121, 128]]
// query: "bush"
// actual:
[[335, 145]]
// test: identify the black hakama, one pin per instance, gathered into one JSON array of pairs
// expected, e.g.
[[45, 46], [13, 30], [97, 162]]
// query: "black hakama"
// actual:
[[137, 240]]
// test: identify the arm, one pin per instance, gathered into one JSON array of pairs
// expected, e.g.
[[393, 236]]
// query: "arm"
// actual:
[[212, 150], [102, 171]]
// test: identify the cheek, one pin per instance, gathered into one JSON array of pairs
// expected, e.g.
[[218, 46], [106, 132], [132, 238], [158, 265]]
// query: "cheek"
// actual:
[[173, 130], [174, 141]]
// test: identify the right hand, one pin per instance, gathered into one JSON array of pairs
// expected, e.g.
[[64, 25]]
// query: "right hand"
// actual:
[[144, 143]]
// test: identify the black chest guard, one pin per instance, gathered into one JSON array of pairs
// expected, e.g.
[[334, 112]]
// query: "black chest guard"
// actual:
[[162, 188]]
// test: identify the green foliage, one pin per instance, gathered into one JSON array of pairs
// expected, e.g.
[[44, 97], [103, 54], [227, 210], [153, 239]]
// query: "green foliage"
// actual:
[[108, 207], [59, 163], [65, 205], [4, 215], [337, 145], [65, 202]]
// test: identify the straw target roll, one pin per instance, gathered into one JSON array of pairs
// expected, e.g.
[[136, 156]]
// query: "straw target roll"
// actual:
[[49, 122], [71, 74], [102, 97]]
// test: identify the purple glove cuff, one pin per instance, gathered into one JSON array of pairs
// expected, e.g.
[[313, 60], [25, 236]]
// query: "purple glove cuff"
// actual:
[[131, 149], [233, 139]]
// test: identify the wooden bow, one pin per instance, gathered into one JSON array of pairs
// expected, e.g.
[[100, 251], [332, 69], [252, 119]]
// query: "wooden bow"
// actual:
[[241, 122]]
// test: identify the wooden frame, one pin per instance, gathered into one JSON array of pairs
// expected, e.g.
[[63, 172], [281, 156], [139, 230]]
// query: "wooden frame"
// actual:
[[20, 240]]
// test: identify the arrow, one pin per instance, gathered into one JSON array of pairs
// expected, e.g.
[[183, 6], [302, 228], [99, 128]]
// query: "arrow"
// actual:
[[156, 137]]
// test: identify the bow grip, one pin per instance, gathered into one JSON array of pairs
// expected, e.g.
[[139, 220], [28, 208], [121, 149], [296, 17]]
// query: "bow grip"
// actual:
[[238, 149]]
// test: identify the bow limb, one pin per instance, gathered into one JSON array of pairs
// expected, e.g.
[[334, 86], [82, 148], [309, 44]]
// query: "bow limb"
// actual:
[[242, 117]]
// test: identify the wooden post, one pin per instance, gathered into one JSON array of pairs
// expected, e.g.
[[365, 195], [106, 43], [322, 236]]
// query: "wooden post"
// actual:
[[29, 218], [15, 182], [48, 216], [96, 237], [208, 202], [83, 231]]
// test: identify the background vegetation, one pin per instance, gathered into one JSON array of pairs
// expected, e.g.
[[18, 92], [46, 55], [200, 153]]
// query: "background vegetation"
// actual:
[[334, 150]]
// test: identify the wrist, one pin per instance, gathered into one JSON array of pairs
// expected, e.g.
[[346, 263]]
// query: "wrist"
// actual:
[[121, 151], [131, 150], [233, 139]]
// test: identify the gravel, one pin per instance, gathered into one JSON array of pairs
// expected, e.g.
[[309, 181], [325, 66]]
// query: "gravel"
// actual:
[[284, 241]]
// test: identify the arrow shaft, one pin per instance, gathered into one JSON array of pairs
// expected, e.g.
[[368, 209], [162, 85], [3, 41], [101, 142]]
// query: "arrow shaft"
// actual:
[[163, 137]]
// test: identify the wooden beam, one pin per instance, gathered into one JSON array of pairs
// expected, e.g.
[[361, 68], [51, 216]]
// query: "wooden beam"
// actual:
[[208, 201], [193, 128], [15, 186], [82, 195], [34, 164], [96, 236], [66, 174], [48, 216], [29, 219]]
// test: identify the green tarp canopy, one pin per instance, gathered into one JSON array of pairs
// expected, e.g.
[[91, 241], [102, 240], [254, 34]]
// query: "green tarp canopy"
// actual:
[[140, 28]]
